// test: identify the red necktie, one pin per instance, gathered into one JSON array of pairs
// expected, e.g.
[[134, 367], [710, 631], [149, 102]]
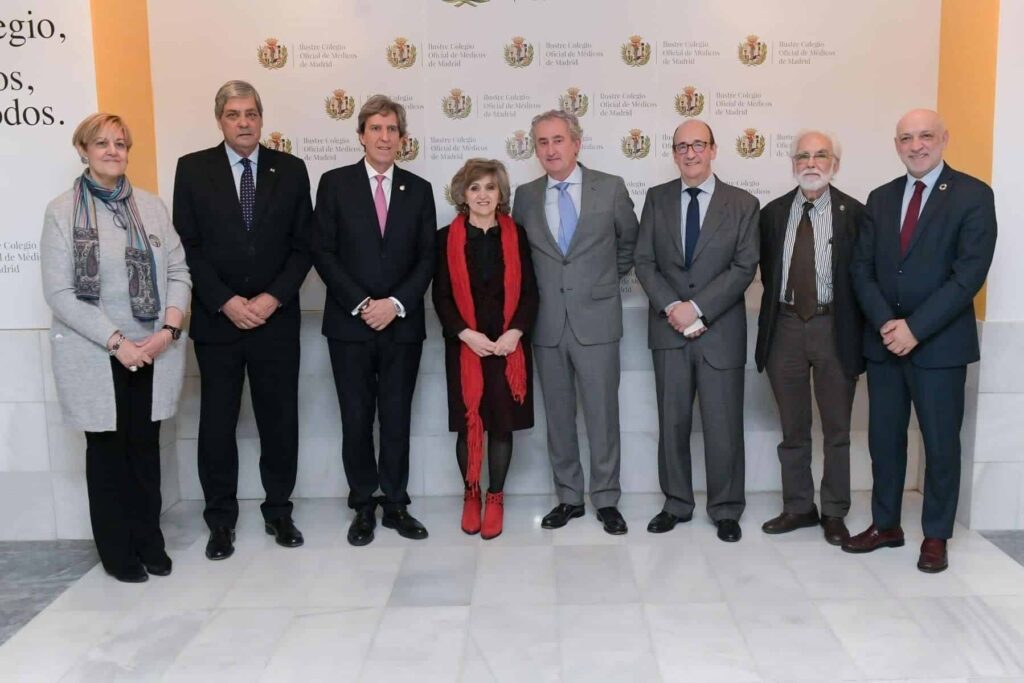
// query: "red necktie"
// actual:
[[910, 220]]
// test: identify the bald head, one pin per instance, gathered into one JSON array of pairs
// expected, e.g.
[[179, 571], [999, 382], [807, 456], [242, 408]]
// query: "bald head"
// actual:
[[921, 138]]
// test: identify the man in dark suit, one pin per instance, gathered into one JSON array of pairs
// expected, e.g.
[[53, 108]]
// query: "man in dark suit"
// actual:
[[243, 212], [924, 249], [695, 257], [373, 245], [810, 323], [582, 229]]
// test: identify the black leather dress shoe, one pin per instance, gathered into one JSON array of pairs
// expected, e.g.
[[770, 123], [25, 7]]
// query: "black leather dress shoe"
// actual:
[[134, 575], [160, 567], [836, 532], [221, 544], [405, 524], [665, 521], [360, 532], [286, 532], [560, 516], [791, 521], [612, 520], [728, 530]]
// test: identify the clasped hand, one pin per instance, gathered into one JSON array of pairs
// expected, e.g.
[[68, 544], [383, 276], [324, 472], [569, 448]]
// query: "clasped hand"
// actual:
[[481, 345], [897, 337], [247, 314]]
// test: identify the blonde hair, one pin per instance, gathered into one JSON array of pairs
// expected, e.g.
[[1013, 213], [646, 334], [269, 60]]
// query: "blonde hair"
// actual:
[[472, 171], [90, 127]]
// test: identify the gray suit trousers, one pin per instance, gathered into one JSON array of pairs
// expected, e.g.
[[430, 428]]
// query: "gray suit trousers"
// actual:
[[679, 375], [595, 368]]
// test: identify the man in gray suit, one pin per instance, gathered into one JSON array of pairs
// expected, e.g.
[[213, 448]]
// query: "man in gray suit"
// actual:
[[582, 230], [695, 256]]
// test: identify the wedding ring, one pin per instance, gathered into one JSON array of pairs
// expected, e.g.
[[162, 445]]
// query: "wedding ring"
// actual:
[[133, 368]]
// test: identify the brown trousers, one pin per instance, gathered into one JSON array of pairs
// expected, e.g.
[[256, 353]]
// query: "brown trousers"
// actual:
[[799, 350]]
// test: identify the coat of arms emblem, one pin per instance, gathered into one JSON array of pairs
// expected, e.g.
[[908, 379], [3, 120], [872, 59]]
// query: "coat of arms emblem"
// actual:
[[457, 105], [401, 53], [460, 3], [750, 144], [689, 102], [340, 105], [271, 54], [753, 51], [409, 149], [636, 52], [636, 145], [574, 102], [278, 143], [519, 53], [519, 146], [447, 191]]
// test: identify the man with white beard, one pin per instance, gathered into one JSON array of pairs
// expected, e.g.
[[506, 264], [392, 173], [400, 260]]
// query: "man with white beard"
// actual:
[[810, 324]]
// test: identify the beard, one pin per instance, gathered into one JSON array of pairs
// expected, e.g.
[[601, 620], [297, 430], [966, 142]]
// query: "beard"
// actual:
[[811, 180]]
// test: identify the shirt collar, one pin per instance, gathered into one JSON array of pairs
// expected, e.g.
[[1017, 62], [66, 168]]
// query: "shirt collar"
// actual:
[[372, 172], [234, 157], [930, 178], [707, 186], [821, 204], [575, 178]]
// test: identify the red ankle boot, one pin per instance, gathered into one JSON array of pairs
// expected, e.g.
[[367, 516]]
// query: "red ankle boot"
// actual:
[[471, 509], [493, 514]]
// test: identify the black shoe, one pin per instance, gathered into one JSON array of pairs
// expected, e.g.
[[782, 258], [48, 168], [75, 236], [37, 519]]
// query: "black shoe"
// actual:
[[665, 521], [285, 531], [405, 524], [221, 543], [161, 567], [728, 530], [360, 532], [134, 575], [560, 516], [790, 521], [612, 520], [836, 532]]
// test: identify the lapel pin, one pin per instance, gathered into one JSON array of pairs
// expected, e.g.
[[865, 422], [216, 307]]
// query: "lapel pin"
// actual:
[[154, 240], [943, 187], [401, 188], [272, 169], [842, 207]]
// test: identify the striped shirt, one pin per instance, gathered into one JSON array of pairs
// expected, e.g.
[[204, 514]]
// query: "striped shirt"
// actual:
[[821, 221]]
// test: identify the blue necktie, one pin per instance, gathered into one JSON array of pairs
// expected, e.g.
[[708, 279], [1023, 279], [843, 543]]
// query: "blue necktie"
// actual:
[[567, 217], [247, 193], [692, 225]]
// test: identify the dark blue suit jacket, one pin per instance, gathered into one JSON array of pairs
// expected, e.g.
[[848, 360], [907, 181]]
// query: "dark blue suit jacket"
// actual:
[[934, 285]]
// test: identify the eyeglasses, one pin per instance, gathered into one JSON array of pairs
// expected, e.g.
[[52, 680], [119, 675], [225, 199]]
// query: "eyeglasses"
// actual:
[[804, 157], [682, 147]]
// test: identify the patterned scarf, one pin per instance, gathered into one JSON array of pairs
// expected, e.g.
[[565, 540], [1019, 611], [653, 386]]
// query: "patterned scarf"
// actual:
[[138, 254], [471, 370]]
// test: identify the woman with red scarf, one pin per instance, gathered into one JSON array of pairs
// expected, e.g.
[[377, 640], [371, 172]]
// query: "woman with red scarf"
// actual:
[[485, 295]]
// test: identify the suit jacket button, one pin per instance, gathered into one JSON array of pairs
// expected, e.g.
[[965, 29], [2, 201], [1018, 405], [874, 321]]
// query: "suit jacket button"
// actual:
[[899, 272], [691, 286], [252, 251], [565, 262], [562, 290]]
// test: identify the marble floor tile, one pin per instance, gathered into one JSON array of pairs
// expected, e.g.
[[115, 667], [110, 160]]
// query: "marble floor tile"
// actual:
[[751, 571], [699, 642], [417, 645], [606, 643], [515, 575], [323, 645], [51, 643], [673, 573], [827, 573], [431, 578], [594, 574], [513, 643], [353, 577]]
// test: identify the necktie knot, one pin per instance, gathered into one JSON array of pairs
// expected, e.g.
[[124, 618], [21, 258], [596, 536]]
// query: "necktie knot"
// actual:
[[919, 186], [808, 206], [562, 187], [245, 162], [693, 192]]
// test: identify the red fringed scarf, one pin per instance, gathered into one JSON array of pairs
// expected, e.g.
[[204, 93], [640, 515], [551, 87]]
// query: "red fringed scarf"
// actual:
[[471, 369]]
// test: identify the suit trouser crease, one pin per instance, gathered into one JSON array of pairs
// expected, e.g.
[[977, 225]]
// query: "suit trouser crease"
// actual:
[[595, 369], [799, 351], [123, 476], [272, 365], [680, 375], [376, 379]]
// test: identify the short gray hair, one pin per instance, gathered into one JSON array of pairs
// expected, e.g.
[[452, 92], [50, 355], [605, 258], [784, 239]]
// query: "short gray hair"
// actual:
[[837, 149], [235, 89], [575, 131]]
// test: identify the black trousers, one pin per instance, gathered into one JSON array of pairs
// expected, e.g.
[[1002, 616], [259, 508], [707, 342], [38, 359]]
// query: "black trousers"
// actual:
[[377, 377], [122, 474], [272, 363], [938, 398]]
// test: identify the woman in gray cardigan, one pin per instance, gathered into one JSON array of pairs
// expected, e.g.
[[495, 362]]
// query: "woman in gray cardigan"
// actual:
[[115, 277]]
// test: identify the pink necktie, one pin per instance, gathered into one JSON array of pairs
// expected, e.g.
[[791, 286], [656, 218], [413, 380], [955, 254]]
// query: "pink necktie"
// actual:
[[381, 203]]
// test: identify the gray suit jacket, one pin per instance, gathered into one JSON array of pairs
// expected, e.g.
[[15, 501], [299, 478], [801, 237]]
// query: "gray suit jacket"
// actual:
[[583, 283], [723, 267]]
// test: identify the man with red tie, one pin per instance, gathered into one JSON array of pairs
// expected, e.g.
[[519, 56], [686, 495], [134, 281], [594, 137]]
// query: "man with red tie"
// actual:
[[373, 245], [924, 249]]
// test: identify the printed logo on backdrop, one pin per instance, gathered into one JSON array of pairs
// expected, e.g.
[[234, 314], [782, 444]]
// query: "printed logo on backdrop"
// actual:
[[457, 105], [448, 195], [519, 146], [574, 102], [461, 3], [271, 55], [753, 51], [277, 142], [751, 144], [409, 150], [636, 52], [690, 102], [401, 53], [519, 53], [636, 145], [340, 105]]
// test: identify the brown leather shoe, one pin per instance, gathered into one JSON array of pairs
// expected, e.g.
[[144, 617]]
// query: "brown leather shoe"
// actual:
[[874, 538], [790, 521], [836, 532], [933, 556]]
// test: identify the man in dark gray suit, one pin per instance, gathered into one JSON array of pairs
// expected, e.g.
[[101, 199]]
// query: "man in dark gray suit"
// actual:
[[582, 230], [695, 256]]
